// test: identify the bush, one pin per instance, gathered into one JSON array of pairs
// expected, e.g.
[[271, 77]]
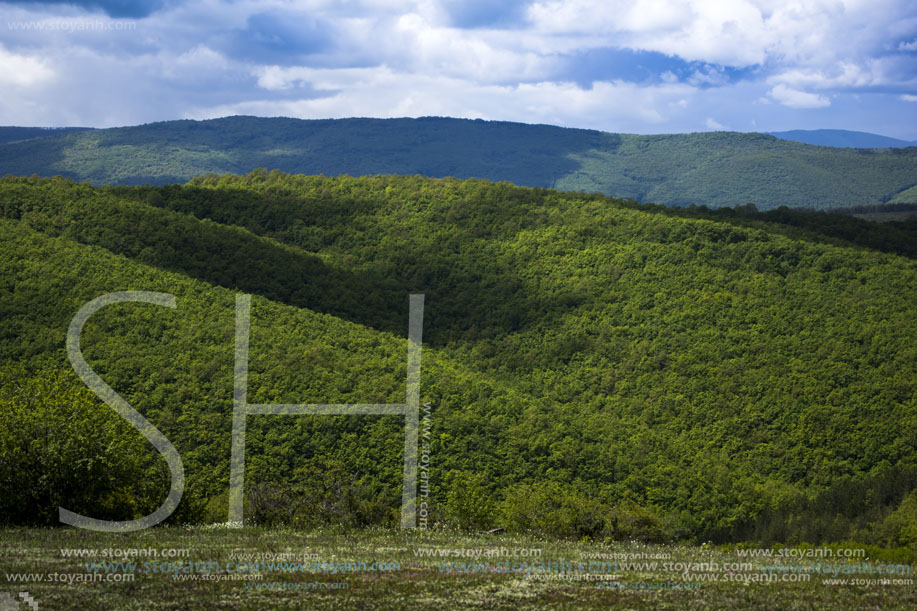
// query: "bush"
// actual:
[[468, 502], [555, 509], [899, 528], [327, 496], [62, 447]]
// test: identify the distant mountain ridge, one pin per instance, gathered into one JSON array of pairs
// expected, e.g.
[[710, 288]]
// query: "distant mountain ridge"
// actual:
[[715, 169], [16, 134], [841, 138]]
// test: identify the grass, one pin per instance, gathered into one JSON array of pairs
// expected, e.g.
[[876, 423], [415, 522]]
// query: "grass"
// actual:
[[323, 570]]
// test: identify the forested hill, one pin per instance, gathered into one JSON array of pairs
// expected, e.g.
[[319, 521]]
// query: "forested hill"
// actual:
[[710, 169], [842, 138], [592, 367], [15, 134]]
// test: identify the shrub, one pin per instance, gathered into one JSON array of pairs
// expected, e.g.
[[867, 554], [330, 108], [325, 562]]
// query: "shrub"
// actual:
[[62, 447]]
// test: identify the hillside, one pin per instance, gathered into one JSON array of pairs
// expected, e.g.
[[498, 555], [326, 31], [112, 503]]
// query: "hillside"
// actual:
[[711, 169], [17, 134], [594, 368], [842, 138]]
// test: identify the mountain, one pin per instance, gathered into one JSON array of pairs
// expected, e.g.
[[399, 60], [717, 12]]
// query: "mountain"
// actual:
[[592, 367], [841, 138], [16, 134], [711, 169]]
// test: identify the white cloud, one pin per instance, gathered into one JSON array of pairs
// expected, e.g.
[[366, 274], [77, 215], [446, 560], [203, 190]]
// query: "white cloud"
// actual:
[[729, 32], [845, 75], [23, 70], [723, 32], [708, 76], [194, 63], [794, 98], [811, 37], [848, 75], [383, 92], [428, 48], [407, 58], [713, 124]]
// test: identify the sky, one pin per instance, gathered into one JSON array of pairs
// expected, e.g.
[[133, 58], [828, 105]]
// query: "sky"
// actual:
[[632, 66]]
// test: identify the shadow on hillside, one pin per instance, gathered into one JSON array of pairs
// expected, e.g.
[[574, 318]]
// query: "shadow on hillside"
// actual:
[[10, 134], [138, 180], [894, 237], [39, 156], [467, 297], [527, 155]]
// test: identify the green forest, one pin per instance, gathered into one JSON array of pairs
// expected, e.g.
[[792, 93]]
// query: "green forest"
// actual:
[[716, 169], [595, 368]]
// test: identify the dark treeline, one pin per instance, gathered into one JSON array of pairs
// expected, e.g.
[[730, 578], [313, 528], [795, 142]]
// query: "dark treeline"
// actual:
[[830, 227]]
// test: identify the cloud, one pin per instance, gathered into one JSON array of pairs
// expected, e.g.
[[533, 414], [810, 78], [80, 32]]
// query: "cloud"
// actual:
[[794, 98], [708, 75], [630, 65], [730, 32], [382, 92], [113, 8], [843, 75], [909, 98], [611, 63], [280, 37], [23, 71], [485, 13], [772, 34], [424, 47], [713, 124], [891, 73]]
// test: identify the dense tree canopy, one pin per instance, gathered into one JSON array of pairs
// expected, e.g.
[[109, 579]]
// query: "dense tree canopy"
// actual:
[[595, 367]]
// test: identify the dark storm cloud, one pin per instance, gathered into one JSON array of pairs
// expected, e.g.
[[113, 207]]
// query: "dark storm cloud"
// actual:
[[281, 38]]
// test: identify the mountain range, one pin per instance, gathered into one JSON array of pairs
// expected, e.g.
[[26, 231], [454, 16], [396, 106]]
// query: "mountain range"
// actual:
[[713, 169], [842, 138]]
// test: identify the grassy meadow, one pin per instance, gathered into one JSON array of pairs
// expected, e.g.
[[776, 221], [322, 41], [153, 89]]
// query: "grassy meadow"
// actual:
[[193, 568]]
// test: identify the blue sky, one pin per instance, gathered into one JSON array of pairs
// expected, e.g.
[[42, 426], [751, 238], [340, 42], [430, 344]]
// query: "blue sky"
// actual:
[[647, 66]]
